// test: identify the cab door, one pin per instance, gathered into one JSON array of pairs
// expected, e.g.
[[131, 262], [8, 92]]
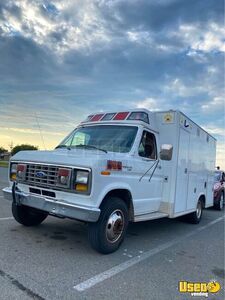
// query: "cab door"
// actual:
[[148, 175]]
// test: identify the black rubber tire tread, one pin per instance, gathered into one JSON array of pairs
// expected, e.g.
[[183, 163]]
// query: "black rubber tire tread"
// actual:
[[217, 205], [96, 231], [28, 216], [192, 217]]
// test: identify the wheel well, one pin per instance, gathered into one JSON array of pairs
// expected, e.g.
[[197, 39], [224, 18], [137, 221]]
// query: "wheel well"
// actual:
[[202, 199], [126, 196]]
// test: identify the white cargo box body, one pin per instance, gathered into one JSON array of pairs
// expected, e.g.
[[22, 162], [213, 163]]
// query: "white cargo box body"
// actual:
[[190, 172]]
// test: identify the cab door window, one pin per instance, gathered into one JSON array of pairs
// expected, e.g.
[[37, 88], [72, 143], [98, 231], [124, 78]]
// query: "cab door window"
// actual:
[[147, 147]]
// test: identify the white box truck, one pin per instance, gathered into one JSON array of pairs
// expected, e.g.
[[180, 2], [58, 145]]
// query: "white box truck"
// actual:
[[116, 168]]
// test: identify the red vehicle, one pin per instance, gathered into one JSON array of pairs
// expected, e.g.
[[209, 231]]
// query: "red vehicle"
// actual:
[[219, 189]]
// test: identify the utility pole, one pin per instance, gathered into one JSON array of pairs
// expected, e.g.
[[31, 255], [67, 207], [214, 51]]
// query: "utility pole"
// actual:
[[10, 146]]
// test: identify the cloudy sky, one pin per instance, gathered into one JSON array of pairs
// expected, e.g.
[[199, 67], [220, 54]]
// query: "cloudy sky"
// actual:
[[61, 60]]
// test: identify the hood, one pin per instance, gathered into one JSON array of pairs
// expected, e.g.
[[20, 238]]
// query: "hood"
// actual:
[[73, 157]]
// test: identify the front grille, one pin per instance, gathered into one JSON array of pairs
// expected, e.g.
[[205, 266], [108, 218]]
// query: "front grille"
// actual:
[[49, 173], [50, 179]]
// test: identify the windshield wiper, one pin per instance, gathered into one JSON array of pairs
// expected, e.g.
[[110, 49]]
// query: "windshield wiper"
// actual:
[[63, 146], [91, 147]]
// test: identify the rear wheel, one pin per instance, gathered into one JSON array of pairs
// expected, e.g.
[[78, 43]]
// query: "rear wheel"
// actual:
[[196, 216], [28, 216], [108, 233], [220, 204]]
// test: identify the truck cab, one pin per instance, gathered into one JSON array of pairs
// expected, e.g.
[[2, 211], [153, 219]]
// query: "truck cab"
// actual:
[[114, 168]]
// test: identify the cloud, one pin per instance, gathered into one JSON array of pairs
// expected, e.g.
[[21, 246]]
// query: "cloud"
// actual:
[[149, 103], [23, 62], [218, 131], [214, 105], [209, 38], [31, 131], [84, 25], [65, 59], [220, 155]]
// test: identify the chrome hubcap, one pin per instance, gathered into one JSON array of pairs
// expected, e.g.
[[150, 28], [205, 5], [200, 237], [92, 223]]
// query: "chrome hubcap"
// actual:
[[199, 210], [115, 226]]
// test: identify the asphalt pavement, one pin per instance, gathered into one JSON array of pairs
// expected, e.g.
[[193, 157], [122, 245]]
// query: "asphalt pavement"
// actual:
[[54, 260]]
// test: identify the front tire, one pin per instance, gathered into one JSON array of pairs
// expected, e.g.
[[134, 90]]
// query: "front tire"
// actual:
[[107, 234], [195, 217], [28, 216]]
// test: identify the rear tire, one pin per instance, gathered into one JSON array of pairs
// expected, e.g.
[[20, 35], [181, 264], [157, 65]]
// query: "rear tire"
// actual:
[[220, 204], [107, 234], [195, 217], [28, 216]]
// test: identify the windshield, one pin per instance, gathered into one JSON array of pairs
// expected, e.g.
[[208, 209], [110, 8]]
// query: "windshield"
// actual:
[[113, 138]]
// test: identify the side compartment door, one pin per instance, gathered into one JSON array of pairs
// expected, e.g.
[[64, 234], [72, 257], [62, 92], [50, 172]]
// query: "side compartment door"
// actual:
[[148, 175], [182, 172]]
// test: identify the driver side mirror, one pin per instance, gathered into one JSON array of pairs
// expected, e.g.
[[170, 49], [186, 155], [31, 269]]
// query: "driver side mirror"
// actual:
[[166, 152]]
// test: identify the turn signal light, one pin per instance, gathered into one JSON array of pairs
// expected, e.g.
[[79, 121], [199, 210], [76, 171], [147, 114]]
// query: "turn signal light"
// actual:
[[106, 173], [13, 176], [13, 171], [21, 171], [21, 168], [64, 172], [64, 177], [81, 187]]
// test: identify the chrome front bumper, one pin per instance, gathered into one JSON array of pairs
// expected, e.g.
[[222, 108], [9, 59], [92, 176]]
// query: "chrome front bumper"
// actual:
[[55, 207]]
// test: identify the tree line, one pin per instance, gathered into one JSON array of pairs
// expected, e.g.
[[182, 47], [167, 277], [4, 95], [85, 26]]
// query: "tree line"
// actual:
[[18, 148]]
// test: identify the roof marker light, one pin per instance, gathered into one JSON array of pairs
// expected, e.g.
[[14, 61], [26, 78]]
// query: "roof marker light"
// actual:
[[139, 116], [96, 118], [88, 119], [121, 116], [108, 117]]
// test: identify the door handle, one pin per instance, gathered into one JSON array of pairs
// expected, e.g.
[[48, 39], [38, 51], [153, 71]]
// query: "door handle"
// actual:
[[185, 170]]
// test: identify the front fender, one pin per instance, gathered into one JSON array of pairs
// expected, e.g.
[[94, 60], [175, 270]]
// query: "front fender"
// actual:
[[111, 187]]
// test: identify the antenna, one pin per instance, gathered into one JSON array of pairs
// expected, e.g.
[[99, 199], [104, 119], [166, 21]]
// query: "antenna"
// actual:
[[42, 138]]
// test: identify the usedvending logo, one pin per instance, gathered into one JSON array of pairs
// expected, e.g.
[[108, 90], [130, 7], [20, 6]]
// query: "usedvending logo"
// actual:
[[199, 289]]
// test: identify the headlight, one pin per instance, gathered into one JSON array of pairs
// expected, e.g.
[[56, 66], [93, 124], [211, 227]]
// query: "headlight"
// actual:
[[13, 171], [18, 171], [82, 181], [82, 177]]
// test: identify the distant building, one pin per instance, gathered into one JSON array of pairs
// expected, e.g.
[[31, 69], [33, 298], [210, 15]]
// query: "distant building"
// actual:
[[5, 156]]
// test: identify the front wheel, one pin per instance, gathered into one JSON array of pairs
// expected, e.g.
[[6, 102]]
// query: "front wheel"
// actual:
[[196, 216], [107, 234], [28, 216]]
